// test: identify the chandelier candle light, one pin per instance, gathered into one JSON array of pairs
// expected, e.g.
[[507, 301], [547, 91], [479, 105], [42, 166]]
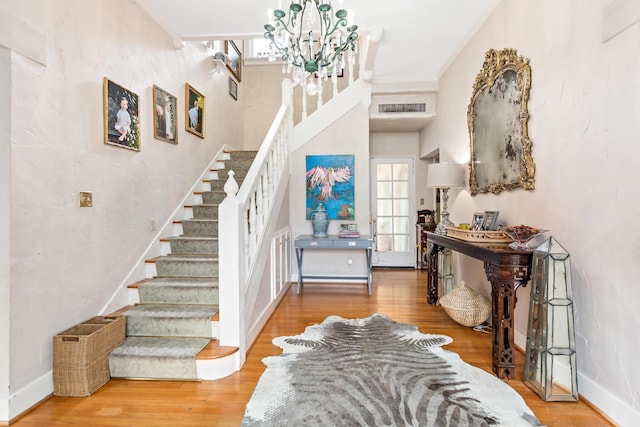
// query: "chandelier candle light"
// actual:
[[311, 41]]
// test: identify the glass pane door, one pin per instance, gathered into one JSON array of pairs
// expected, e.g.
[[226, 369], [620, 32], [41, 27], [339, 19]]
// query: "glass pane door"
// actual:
[[393, 211]]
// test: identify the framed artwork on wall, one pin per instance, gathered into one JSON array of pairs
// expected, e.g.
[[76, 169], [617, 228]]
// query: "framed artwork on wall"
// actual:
[[234, 63], [233, 88], [121, 119], [165, 117], [330, 180], [194, 111]]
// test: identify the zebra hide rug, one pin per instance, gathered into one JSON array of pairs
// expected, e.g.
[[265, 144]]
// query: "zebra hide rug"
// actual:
[[377, 372]]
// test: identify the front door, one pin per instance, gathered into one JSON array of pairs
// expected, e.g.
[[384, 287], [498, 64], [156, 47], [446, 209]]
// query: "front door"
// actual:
[[393, 193]]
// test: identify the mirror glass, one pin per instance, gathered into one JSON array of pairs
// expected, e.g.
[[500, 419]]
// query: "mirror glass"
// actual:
[[497, 119]]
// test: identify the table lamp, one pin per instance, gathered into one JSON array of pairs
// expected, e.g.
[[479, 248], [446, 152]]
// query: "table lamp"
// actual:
[[444, 176]]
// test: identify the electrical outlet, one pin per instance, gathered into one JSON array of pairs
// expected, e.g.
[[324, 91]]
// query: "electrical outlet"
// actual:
[[86, 199], [152, 224], [421, 201]]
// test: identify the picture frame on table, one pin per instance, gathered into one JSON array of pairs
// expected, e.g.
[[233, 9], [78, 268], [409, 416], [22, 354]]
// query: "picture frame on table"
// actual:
[[478, 221], [165, 116], [490, 220], [121, 116], [233, 88], [194, 111]]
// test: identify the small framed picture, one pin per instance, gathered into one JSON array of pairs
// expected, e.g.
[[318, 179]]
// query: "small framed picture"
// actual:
[[121, 116], [195, 111], [165, 116], [234, 64], [490, 220], [477, 221], [233, 88]]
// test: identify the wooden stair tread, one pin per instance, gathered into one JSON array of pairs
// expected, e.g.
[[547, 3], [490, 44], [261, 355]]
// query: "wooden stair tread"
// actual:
[[135, 285], [214, 350], [121, 311]]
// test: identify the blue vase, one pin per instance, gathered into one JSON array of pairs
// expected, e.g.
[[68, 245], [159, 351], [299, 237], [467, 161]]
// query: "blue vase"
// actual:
[[320, 221]]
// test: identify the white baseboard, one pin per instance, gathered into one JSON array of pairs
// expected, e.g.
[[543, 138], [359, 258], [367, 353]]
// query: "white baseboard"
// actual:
[[602, 400], [26, 397]]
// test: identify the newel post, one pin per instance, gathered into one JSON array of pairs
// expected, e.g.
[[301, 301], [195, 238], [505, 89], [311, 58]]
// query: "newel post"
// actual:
[[231, 270]]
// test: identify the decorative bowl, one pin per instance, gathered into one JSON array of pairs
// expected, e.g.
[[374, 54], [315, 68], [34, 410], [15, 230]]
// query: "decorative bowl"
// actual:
[[522, 234]]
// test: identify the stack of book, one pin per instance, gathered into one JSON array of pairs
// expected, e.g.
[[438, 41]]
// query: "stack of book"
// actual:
[[349, 230]]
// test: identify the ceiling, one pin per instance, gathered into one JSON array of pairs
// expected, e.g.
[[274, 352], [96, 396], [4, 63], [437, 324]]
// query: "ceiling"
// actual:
[[418, 37]]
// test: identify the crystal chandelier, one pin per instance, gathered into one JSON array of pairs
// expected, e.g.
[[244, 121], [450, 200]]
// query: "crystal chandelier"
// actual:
[[311, 42]]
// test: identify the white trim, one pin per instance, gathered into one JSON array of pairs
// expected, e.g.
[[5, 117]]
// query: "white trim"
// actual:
[[27, 397], [618, 16]]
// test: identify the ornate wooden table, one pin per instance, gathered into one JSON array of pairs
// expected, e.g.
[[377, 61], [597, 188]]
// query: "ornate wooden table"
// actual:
[[507, 269]]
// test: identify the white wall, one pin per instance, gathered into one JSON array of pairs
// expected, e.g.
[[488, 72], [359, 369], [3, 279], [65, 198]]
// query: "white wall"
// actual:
[[584, 106], [348, 135], [263, 98], [5, 168], [66, 261]]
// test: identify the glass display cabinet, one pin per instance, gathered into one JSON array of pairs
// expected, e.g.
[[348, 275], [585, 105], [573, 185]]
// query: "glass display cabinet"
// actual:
[[550, 364]]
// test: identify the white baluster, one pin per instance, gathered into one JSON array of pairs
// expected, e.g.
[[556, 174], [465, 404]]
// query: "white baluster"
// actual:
[[304, 104], [272, 172], [246, 240], [259, 208], [320, 84]]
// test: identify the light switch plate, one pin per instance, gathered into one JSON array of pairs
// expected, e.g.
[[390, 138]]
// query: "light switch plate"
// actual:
[[86, 199]]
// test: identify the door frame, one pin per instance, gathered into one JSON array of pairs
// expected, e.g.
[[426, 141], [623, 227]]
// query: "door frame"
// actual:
[[412, 206]]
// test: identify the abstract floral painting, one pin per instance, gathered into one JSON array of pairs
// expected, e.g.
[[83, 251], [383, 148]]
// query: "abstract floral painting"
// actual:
[[329, 179]]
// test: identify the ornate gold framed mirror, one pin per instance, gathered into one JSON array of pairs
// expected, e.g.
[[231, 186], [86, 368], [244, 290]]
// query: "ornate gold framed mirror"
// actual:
[[497, 118]]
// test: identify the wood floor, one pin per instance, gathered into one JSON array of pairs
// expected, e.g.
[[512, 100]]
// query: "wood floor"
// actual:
[[400, 294]]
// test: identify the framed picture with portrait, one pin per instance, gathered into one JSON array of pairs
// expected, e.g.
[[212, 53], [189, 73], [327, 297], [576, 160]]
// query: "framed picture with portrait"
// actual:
[[194, 111], [478, 221], [233, 88], [490, 220], [234, 62], [165, 116], [121, 118]]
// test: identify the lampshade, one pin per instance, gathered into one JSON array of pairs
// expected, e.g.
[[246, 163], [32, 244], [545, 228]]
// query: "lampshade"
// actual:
[[445, 175]]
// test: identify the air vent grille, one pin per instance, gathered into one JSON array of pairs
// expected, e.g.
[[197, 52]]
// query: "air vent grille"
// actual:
[[402, 108]]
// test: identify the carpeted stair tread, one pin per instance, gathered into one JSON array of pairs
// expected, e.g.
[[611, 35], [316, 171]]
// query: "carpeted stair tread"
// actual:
[[200, 227], [173, 310], [156, 357], [177, 320], [176, 290], [182, 257], [193, 245], [187, 265]]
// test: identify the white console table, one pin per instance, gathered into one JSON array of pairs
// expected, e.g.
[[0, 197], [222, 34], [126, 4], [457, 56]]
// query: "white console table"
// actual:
[[307, 241]]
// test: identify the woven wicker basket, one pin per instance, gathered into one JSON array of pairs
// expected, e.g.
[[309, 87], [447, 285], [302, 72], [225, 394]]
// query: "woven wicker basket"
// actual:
[[80, 355], [466, 306]]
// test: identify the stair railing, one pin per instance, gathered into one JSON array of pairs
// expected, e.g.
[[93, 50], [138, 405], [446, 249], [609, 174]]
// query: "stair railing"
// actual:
[[248, 214], [247, 218]]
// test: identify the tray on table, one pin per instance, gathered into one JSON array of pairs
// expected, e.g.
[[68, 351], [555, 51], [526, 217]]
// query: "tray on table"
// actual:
[[479, 236]]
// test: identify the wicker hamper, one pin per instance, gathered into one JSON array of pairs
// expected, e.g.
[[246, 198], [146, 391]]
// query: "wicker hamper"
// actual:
[[466, 306], [112, 332], [80, 355]]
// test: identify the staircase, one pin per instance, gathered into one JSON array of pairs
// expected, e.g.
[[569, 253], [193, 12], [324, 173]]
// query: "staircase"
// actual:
[[176, 317]]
